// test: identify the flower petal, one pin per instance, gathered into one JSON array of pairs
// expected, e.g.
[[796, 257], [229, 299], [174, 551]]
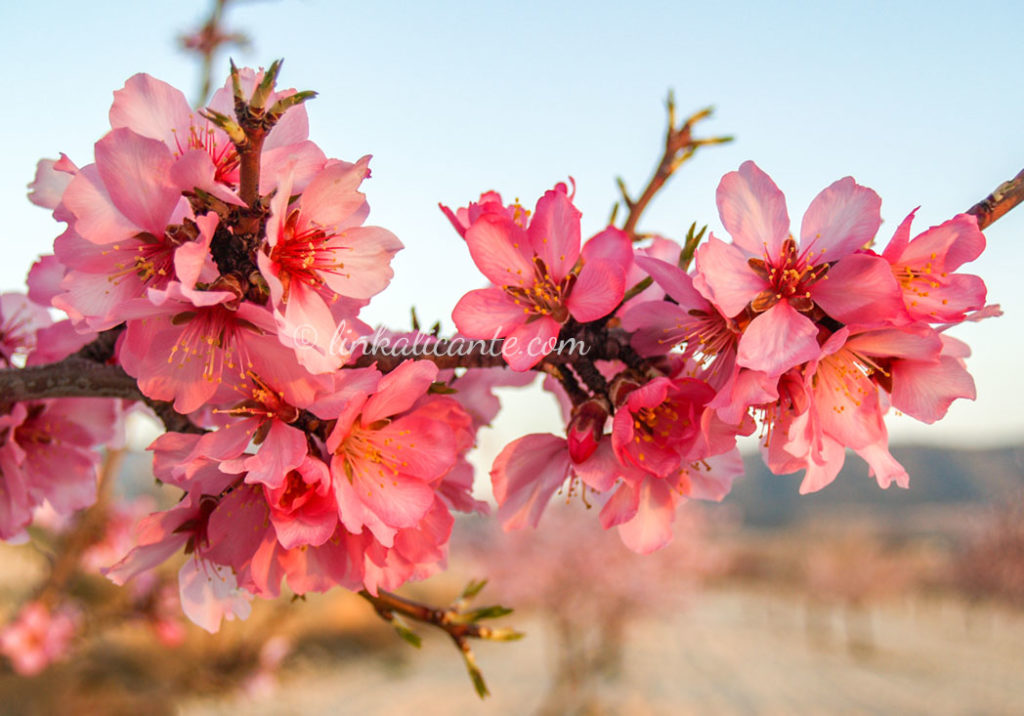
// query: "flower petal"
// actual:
[[844, 217], [753, 210], [777, 340]]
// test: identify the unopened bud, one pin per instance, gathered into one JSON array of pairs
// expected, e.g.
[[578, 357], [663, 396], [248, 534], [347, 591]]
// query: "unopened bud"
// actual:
[[586, 428], [622, 385]]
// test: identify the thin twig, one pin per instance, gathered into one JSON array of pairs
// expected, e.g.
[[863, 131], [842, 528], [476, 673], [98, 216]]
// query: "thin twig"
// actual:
[[460, 625], [679, 146]]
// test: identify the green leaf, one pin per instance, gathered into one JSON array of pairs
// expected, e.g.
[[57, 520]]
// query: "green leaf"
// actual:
[[493, 612], [472, 589]]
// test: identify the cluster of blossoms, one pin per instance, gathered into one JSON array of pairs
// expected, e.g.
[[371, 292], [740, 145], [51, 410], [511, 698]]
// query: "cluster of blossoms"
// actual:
[[809, 341], [222, 255], [291, 469]]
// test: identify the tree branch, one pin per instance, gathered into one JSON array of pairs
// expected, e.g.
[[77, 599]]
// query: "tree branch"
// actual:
[[679, 146], [1006, 196], [459, 624]]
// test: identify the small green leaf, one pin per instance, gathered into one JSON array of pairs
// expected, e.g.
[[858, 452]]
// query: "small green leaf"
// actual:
[[265, 87], [475, 674], [472, 589], [407, 634], [285, 103], [504, 634], [493, 612]]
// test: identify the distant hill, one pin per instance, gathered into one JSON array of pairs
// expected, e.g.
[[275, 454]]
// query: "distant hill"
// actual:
[[938, 477]]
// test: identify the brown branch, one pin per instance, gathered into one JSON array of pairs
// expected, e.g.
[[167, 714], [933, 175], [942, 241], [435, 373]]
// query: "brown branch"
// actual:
[[1006, 196], [679, 146], [79, 377]]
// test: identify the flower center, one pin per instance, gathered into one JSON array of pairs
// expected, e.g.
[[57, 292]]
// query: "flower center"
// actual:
[[543, 297], [790, 276]]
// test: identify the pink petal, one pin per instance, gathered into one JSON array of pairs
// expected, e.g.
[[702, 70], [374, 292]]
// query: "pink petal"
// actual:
[[333, 196], [49, 184], [777, 340], [399, 389], [947, 246], [487, 313], [530, 343], [96, 219], [657, 326], [951, 299], [499, 248], [898, 243], [925, 390], [823, 469], [555, 233], [195, 170], [884, 467], [209, 593], [598, 290], [303, 161], [753, 211], [714, 482], [860, 289], [674, 281], [525, 476], [612, 245], [724, 276], [152, 108], [365, 254], [602, 469], [44, 279], [622, 506], [651, 528], [916, 341], [283, 450], [136, 172], [841, 219]]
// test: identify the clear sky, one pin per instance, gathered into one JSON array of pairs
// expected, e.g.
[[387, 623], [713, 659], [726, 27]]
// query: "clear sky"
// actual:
[[920, 101]]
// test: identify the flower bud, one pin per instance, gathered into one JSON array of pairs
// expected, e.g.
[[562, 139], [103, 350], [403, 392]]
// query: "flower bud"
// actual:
[[586, 428]]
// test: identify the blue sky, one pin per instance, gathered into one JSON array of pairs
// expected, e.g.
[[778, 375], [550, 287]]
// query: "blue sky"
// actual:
[[921, 102]]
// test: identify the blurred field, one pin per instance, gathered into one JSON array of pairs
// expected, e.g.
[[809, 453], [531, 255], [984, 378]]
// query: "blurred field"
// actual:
[[736, 651]]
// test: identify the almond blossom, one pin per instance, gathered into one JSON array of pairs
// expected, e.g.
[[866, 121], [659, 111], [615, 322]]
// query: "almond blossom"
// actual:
[[783, 281], [321, 264], [537, 282]]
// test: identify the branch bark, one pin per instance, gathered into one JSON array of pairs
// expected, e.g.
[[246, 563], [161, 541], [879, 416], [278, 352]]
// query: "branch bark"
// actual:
[[1006, 196]]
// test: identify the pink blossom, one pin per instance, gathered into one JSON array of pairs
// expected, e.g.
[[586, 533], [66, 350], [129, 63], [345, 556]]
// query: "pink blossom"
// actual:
[[191, 339], [925, 268], [204, 156], [489, 203], [662, 424], [321, 264], [47, 453], [644, 506], [782, 281], [537, 285], [388, 454], [38, 637]]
